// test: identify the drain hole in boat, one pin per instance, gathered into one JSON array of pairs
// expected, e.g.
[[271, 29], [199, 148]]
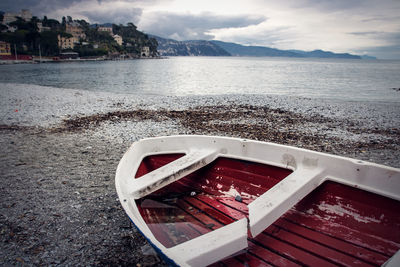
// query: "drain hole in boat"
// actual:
[[207, 199]]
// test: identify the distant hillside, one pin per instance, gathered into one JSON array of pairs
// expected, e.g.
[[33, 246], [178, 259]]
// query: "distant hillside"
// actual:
[[260, 51], [169, 47], [368, 57], [254, 51], [325, 54]]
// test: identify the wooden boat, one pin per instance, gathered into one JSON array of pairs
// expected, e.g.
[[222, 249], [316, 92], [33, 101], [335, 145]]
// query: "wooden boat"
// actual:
[[204, 200]]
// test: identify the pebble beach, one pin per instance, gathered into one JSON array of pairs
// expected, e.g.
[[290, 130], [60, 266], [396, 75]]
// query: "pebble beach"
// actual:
[[60, 149]]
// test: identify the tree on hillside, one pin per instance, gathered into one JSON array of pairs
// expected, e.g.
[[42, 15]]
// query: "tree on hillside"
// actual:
[[153, 44], [83, 23], [17, 38], [64, 34], [33, 24], [49, 43], [129, 31], [137, 39], [63, 23], [20, 24], [93, 35], [89, 51], [52, 23], [131, 25], [32, 40], [3, 27], [116, 28]]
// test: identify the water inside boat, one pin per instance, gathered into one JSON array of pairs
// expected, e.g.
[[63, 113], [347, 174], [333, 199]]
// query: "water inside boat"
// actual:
[[334, 225]]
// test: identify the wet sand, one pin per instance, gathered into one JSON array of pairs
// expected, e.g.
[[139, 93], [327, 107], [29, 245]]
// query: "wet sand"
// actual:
[[60, 149]]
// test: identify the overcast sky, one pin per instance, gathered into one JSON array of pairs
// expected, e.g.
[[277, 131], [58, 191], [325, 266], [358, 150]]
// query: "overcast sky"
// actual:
[[355, 26]]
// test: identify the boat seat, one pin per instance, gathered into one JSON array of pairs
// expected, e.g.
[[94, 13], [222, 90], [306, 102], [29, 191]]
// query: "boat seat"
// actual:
[[171, 172]]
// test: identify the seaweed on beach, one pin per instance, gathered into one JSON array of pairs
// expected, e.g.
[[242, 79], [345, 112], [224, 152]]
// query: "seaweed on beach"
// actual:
[[314, 132]]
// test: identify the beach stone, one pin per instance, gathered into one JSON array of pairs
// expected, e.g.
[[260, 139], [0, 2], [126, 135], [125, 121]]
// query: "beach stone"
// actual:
[[61, 149]]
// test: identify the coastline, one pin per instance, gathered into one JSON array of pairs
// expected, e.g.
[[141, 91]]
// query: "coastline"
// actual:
[[37, 60], [8, 62], [61, 148]]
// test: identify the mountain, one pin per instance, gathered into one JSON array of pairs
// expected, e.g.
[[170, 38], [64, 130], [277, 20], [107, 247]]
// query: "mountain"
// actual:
[[101, 25], [261, 51], [254, 51], [368, 57], [325, 54], [169, 47]]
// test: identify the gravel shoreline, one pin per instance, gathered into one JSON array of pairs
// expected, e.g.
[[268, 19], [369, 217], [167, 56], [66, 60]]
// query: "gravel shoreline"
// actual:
[[61, 147]]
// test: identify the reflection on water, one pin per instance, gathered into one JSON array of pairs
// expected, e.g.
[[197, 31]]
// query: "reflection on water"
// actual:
[[341, 79]]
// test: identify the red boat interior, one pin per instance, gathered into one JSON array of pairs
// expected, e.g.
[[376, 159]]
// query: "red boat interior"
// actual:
[[335, 225]]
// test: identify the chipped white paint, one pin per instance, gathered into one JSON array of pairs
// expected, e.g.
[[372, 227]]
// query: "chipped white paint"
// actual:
[[232, 192], [310, 169], [255, 185], [339, 210]]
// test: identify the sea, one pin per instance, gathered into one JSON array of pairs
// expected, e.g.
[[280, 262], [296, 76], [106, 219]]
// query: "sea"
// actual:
[[334, 79]]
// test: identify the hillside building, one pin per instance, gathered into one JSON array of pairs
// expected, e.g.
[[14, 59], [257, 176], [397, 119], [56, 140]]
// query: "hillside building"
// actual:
[[105, 29], [5, 49], [75, 30], [10, 28], [11, 17], [42, 28], [67, 43], [145, 51], [26, 14], [118, 39], [69, 55]]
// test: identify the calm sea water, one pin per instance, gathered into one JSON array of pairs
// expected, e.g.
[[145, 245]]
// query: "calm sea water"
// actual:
[[347, 80]]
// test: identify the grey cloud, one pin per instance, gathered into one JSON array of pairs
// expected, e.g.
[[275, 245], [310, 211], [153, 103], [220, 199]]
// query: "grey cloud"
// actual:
[[147, 2], [37, 7], [351, 7], [390, 37], [382, 18], [44, 7], [327, 5], [368, 33], [389, 51], [188, 26], [270, 38], [118, 16], [382, 52]]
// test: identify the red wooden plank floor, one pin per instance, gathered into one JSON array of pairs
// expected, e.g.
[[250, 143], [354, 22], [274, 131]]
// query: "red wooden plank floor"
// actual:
[[336, 225]]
